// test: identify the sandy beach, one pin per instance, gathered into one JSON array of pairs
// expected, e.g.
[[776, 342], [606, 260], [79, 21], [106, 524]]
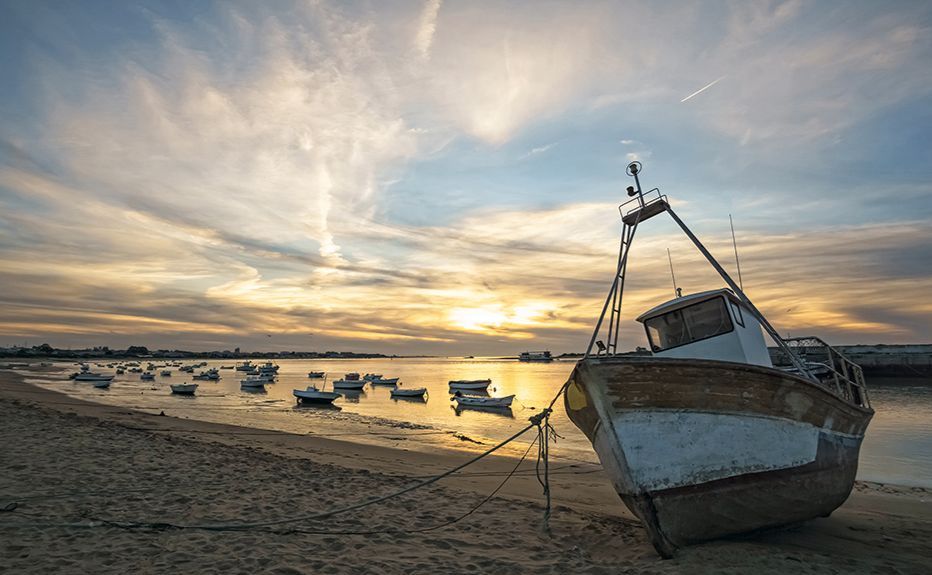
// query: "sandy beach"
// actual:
[[73, 468]]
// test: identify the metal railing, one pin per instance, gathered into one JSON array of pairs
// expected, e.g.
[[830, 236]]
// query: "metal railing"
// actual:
[[641, 200], [844, 375]]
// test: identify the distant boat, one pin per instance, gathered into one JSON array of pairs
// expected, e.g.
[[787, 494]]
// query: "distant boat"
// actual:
[[147, 376], [120, 371], [535, 356], [384, 381], [470, 383], [245, 366], [349, 383], [255, 381], [165, 373], [89, 376], [316, 374], [184, 388], [371, 376], [313, 395], [464, 401], [101, 384], [409, 392]]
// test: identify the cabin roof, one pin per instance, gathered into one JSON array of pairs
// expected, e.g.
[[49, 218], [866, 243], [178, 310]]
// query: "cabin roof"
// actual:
[[686, 300]]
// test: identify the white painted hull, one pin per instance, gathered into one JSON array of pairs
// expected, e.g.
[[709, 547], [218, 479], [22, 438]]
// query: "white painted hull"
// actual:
[[184, 389], [485, 401], [471, 384], [348, 384], [315, 396], [416, 392], [700, 449]]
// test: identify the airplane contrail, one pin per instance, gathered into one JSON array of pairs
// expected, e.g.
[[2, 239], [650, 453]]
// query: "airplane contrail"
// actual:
[[703, 89]]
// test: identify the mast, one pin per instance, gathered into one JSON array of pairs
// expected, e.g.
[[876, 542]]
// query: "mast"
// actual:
[[643, 210]]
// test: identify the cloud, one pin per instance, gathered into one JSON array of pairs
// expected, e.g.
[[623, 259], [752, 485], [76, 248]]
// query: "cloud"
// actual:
[[352, 173], [427, 28]]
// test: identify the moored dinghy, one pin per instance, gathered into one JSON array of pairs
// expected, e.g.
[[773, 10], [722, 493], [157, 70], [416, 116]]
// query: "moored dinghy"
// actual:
[[350, 381], [705, 438], [184, 388], [409, 392], [312, 395], [467, 384], [488, 402]]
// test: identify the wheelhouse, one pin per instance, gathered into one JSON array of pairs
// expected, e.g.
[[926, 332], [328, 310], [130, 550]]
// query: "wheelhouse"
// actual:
[[708, 325]]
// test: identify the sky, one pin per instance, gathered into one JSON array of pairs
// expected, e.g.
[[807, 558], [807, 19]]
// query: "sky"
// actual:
[[427, 177]]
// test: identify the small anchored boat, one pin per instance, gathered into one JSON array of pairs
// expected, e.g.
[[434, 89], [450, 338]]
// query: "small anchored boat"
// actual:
[[350, 381], [104, 384], [316, 374], [409, 392], [147, 376], [166, 373], [184, 388], [371, 376], [254, 381], [705, 438], [466, 384], [312, 395], [384, 381], [356, 384], [499, 402]]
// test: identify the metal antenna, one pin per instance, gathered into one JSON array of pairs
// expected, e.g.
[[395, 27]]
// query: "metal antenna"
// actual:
[[735, 244], [672, 275]]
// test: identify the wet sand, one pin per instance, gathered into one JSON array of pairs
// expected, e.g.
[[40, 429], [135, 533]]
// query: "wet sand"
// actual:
[[71, 466]]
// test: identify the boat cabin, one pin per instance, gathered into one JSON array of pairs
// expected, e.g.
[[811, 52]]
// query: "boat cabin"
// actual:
[[707, 325]]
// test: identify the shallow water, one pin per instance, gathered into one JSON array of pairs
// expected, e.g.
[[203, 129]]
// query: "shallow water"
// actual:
[[897, 448]]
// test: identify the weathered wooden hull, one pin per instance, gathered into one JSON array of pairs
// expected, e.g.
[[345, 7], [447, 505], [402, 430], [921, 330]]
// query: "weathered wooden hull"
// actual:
[[702, 449]]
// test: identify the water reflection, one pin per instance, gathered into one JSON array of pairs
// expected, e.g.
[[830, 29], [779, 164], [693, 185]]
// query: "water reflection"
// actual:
[[896, 449], [501, 411], [409, 398]]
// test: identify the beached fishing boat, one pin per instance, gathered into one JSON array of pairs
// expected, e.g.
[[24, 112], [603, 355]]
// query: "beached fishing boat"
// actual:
[[705, 438], [409, 392], [313, 395], [184, 388], [469, 401], [466, 384]]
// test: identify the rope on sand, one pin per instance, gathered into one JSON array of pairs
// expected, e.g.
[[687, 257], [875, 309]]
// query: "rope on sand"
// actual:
[[539, 421], [545, 434]]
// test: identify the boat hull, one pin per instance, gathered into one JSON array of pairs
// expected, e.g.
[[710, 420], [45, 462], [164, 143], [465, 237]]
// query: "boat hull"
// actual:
[[702, 449]]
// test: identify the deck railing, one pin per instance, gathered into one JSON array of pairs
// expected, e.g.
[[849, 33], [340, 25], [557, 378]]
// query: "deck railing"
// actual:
[[844, 375]]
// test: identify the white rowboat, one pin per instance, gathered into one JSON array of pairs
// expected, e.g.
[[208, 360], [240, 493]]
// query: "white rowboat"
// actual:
[[484, 401], [349, 384], [470, 383], [314, 395], [184, 388], [414, 392]]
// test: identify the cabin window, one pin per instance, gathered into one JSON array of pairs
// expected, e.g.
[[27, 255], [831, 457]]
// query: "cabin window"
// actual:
[[688, 324], [736, 310]]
